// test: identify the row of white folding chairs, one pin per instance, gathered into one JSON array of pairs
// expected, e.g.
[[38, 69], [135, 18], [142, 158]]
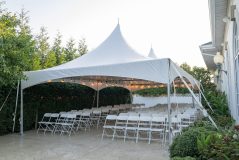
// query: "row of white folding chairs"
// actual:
[[139, 127], [187, 118], [55, 122]]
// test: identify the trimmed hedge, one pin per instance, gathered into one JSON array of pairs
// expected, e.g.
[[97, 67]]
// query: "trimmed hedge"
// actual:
[[55, 97]]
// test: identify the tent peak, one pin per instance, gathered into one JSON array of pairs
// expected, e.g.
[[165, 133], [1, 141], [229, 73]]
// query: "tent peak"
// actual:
[[151, 53], [113, 50]]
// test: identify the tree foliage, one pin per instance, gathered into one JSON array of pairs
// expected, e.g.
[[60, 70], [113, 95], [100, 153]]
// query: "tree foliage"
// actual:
[[16, 46], [82, 47], [70, 50], [20, 50], [42, 46], [57, 49]]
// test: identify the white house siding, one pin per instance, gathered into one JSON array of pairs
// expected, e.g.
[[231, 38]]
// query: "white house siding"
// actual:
[[226, 34], [231, 71]]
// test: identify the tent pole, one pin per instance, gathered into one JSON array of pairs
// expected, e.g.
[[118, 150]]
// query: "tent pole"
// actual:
[[36, 119], [21, 113], [169, 107], [15, 112], [97, 98]]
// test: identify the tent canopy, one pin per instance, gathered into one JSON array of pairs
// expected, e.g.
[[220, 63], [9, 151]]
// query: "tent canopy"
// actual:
[[114, 62]]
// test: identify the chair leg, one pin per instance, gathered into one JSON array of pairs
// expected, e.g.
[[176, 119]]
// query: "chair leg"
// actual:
[[149, 137], [102, 137]]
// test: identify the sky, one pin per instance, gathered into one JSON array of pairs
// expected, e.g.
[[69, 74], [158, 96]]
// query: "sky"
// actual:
[[174, 28]]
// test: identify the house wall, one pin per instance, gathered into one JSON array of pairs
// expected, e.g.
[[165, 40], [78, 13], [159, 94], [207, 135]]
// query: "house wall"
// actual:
[[229, 81]]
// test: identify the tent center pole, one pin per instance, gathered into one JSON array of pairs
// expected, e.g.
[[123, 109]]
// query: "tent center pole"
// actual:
[[97, 98], [169, 107], [21, 113]]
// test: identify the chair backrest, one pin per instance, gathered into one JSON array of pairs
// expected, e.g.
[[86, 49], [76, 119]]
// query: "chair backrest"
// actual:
[[62, 113], [175, 120], [144, 122], [111, 117], [145, 118], [123, 114], [86, 114], [62, 117], [71, 116], [55, 115], [47, 114], [105, 110], [122, 117], [133, 118], [96, 111], [46, 117], [156, 115], [132, 121], [158, 119], [145, 114], [78, 113], [133, 114]]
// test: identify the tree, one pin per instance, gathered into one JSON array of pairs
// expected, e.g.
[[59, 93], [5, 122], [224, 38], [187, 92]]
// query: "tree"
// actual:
[[26, 38], [36, 63], [50, 60], [186, 67], [70, 50], [203, 75], [16, 45], [42, 45], [57, 49], [82, 47]]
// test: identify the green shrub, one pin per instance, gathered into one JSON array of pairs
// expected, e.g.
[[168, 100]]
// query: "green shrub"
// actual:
[[185, 144], [183, 158], [220, 146]]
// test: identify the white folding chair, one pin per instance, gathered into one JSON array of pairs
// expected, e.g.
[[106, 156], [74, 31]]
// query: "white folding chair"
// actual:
[[131, 127], [120, 125], [51, 124], [95, 117], [84, 121], [109, 125], [185, 120], [58, 125], [176, 126], [44, 122], [144, 126], [68, 125], [157, 129]]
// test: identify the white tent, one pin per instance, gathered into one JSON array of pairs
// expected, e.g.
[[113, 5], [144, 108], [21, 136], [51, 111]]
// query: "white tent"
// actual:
[[114, 63], [112, 58]]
